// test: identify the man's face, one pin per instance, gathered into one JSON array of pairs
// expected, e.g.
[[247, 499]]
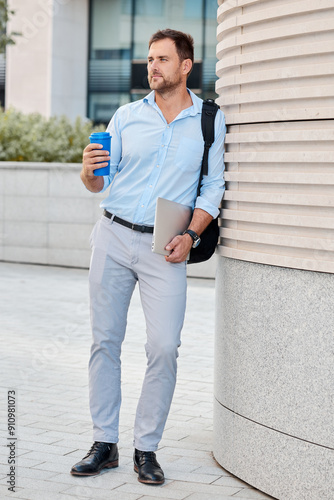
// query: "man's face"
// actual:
[[164, 68]]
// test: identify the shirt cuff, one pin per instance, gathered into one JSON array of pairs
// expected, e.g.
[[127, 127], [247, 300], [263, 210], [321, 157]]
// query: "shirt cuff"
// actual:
[[207, 207], [106, 180]]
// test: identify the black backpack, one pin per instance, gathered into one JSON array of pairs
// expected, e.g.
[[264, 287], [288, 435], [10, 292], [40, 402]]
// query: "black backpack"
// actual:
[[209, 237]]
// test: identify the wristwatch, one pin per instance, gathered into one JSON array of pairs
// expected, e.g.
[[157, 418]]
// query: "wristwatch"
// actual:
[[195, 237]]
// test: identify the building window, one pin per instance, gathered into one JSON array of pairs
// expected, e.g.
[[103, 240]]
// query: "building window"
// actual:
[[119, 33], [193, 9], [149, 8]]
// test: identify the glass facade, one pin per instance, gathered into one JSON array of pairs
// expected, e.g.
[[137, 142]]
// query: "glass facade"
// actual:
[[119, 34]]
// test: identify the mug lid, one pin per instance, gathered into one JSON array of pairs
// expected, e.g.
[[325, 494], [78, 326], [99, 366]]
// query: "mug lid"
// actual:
[[100, 135]]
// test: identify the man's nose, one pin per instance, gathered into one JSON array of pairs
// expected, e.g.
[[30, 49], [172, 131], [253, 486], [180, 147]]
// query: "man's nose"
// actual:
[[154, 65]]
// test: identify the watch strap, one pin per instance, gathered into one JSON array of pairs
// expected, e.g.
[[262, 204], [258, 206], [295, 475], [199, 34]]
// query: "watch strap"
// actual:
[[191, 233]]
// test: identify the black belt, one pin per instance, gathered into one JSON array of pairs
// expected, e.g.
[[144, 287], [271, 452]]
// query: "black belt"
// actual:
[[135, 227]]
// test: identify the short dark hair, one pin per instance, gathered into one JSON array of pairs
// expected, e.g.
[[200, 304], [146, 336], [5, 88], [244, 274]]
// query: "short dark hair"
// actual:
[[184, 43]]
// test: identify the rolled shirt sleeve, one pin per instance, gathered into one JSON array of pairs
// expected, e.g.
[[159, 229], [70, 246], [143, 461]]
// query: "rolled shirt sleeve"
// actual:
[[213, 185], [115, 149]]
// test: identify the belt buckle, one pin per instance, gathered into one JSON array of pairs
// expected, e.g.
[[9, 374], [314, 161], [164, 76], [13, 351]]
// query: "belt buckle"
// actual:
[[133, 226]]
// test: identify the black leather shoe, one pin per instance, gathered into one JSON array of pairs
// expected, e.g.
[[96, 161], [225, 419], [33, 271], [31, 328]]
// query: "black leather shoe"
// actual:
[[100, 456], [147, 467]]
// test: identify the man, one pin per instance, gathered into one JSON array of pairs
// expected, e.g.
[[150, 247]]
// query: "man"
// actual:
[[156, 151]]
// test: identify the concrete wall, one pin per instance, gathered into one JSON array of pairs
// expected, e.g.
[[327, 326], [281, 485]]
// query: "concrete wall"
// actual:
[[47, 215], [47, 67], [274, 336]]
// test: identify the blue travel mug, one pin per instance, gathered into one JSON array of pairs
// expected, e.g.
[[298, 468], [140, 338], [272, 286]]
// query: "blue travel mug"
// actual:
[[103, 138]]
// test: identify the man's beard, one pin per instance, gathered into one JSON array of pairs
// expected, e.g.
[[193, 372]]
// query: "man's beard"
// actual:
[[164, 84]]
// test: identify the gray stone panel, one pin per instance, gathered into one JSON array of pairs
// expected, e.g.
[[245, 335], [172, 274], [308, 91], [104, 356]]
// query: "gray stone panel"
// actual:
[[274, 347], [280, 465], [274, 378]]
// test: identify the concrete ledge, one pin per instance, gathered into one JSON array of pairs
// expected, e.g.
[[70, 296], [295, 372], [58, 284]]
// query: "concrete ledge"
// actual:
[[47, 215]]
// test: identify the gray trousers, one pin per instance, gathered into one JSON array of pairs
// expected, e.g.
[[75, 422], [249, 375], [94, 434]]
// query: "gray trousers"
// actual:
[[120, 258]]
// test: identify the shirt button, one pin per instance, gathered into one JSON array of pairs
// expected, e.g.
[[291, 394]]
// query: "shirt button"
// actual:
[[142, 206], [162, 145], [158, 166], [150, 185]]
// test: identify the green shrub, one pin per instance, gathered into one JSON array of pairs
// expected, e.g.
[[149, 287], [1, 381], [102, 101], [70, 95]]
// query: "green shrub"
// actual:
[[32, 137]]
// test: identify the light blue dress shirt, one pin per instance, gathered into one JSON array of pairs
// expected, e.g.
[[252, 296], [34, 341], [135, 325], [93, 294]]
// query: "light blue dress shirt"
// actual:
[[151, 158]]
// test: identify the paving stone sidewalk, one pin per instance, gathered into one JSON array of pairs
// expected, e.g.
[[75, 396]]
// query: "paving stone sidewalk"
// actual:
[[45, 341]]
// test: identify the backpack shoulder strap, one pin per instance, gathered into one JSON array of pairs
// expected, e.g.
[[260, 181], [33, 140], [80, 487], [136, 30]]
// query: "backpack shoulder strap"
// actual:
[[209, 111]]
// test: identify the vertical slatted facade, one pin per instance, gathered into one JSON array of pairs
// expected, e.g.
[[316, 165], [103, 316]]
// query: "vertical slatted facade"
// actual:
[[276, 87]]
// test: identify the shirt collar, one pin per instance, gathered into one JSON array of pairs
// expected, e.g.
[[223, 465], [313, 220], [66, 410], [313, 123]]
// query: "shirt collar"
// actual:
[[194, 110]]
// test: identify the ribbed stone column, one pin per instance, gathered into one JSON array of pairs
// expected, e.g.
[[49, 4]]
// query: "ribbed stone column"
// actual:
[[274, 384]]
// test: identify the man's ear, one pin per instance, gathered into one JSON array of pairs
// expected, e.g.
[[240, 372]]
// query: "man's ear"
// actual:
[[186, 66]]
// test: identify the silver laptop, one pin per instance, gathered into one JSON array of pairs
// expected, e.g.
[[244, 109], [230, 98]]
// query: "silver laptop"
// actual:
[[171, 219]]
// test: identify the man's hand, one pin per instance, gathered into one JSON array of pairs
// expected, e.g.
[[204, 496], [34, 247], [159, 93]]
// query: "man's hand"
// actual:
[[92, 155], [180, 247]]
